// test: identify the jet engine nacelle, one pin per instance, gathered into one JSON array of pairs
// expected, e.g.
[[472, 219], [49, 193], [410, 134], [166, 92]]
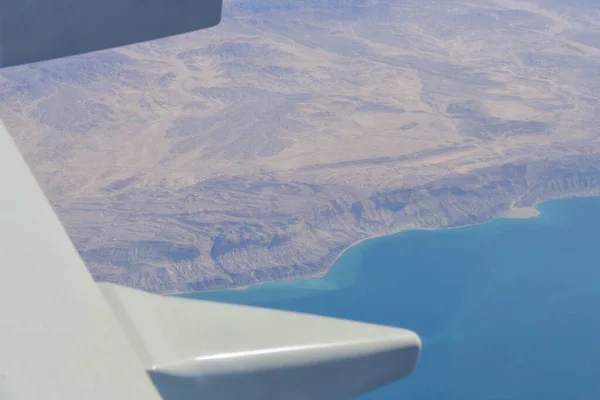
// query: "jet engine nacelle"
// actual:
[[38, 30]]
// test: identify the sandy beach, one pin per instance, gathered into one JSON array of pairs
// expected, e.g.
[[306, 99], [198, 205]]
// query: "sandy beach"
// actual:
[[522, 212]]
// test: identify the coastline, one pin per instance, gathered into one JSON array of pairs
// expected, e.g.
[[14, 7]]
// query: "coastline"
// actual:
[[470, 198], [386, 293], [514, 212], [319, 275]]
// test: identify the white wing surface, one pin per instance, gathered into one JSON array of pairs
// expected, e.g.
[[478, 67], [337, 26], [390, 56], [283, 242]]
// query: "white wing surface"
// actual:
[[64, 337], [236, 352], [59, 340]]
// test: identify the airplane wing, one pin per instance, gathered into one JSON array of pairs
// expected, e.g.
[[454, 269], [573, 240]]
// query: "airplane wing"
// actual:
[[236, 352], [37, 30], [62, 336], [59, 339]]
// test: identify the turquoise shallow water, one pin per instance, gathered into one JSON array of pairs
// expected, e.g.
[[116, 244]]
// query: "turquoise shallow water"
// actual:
[[506, 309]]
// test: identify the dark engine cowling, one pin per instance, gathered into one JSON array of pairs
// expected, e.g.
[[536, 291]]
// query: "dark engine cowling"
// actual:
[[38, 30]]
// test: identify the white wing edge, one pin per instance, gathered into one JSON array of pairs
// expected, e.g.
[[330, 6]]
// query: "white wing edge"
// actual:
[[225, 351]]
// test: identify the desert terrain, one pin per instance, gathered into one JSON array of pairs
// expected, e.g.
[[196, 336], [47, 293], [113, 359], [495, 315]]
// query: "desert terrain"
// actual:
[[260, 149]]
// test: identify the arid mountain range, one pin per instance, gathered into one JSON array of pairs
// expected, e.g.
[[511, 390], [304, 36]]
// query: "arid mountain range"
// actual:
[[260, 149]]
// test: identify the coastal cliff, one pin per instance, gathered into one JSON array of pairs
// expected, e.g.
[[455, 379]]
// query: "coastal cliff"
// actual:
[[304, 242]]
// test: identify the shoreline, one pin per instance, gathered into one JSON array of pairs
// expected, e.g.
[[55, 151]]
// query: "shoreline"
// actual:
[[319, 275], [512, 213]]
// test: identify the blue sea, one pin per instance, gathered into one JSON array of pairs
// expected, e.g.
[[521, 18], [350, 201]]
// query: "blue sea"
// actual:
[[506, 310]]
